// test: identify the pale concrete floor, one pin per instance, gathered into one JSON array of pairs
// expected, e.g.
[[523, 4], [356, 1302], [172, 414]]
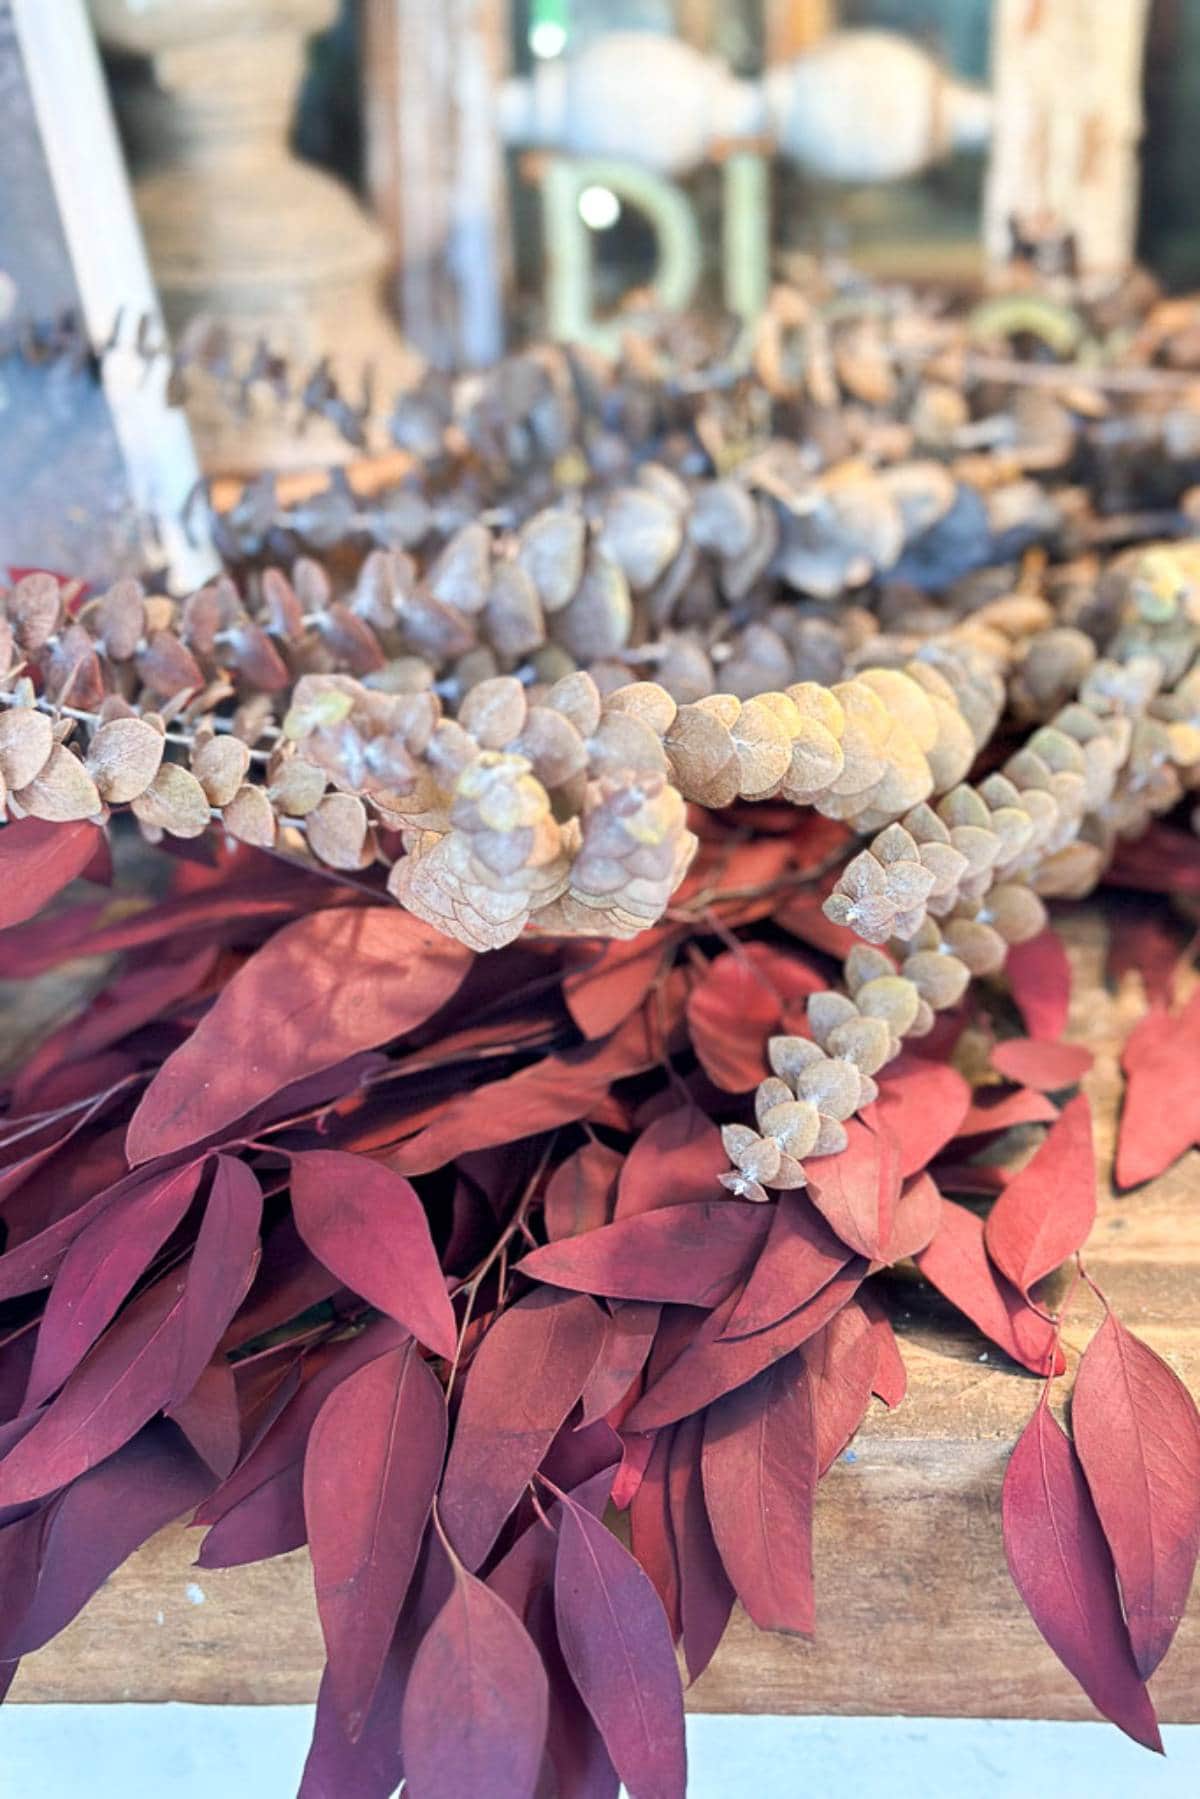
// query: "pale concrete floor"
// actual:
[[256, 1752]]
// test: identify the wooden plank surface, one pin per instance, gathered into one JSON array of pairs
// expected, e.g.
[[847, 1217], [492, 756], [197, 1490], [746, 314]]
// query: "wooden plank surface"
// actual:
[[916, 1613]]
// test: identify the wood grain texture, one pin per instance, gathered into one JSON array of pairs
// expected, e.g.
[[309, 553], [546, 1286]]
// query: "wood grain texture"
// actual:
[[915, 1610]]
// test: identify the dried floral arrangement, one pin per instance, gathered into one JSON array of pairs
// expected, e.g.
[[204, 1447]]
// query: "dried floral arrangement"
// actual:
[[722, 721]]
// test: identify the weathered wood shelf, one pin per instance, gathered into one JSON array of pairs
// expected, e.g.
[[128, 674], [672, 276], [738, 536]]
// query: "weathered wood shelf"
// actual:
[[916, 1613]]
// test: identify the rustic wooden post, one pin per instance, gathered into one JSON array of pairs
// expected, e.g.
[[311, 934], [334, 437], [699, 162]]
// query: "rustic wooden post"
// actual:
[[1067, 81], [436, 168]]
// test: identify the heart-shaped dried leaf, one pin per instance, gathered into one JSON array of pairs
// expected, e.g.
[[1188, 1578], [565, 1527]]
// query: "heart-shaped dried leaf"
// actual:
[[63, 790], [26, 744], [174, 802], [123, 758]]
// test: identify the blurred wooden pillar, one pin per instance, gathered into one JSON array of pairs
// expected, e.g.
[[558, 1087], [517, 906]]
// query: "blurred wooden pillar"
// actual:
[[793, 26], [1067, 79], [435, 168]]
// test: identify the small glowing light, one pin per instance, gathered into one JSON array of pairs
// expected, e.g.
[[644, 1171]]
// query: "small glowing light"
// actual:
[[599, 208], [547, 38]]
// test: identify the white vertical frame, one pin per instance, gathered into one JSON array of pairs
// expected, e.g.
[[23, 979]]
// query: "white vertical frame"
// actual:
[[105, 244]]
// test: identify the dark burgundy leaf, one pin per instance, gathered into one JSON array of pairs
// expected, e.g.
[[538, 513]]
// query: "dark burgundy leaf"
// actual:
[[1150, 941], [857, 1190], [890, 1380], [99, 1271], [322, 989], [617, 1645], [841, 1362], [369, 1768], [221, 1269], [368, 1226], [651, 1534], [1039, 976], [1063, 1571], [37, 860], [1043, 1065], [918, 1214], [614, 982], [580, 1193], [527, 1373], [627, 1342], [800, 1256], [209, 1418], [371, 1469], [711, 1365], [689, 1254], [676, 1160], [731, 1013], [1138, 1436], [922, 1105], [267, 1522], [117, 1388], [760, 1476], [100, 1520], [1022, 1107], [1161, 1114], [475, 1707], [1047, 1209], [956, 1263], [555, 1091], [705, 1593]]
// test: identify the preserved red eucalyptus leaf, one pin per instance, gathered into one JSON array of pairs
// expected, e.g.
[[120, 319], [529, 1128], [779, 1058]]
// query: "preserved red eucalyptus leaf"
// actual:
[[840, 1362], [209, 1418], [731, 1012], [1022, 1107], [1161, 1114], [712, 1365], [368, 1226], [636, 1449], [627, 1342], [689, 1254], [477, 1672], [283, 1433], [800, 1256], [1047, 1209], [614, 982], [557, 1090], [676, 1159], [99, 1271], [1063, 1571], [269, 1521], [289, 1280], [579, 1195], [956, 1263], [323, 988], [100, 1520], [221, 1268], [760, 1476], [857, 1190], [922, 1106], [918, 1214], [705, 1593], [49, 1142], [139, 997], [652, 1536], [527, 1373], [37, 860], [1039, 976], [576, 1760], [371, 1468], [1137, 1433], [371, 1766], [617, 1645], [890, 1379], [1045, 1066], [117, 1388]]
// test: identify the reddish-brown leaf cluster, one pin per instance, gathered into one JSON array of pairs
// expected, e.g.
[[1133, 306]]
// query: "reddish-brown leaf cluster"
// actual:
[[327, 1232]]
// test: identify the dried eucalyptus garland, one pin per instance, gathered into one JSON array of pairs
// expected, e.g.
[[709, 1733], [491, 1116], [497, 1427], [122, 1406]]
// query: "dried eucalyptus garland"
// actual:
[[883, 627]]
